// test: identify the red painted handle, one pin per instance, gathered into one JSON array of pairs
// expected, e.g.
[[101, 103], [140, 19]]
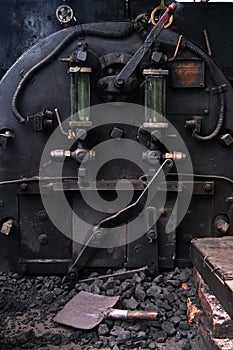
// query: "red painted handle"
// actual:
[[167, 14]]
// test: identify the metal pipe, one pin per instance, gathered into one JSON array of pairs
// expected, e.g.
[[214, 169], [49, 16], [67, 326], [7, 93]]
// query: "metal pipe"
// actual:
[[132, 315]]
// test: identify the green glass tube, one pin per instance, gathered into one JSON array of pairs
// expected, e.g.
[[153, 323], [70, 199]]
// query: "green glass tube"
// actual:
[[73, 96], [80, 95], [155, 91]]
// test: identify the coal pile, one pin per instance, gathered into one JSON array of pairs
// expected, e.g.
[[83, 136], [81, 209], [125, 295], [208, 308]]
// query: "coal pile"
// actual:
[[28, 305]]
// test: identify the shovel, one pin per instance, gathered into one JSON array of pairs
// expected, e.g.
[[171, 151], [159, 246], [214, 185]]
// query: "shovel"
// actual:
[[87, 310]]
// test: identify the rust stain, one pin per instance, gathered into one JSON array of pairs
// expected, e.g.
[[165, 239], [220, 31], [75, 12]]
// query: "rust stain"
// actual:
[[188, 73]]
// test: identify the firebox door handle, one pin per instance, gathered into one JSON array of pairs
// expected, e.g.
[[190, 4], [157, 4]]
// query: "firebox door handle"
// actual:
[[132, 315], [145, 198], [120, 217]]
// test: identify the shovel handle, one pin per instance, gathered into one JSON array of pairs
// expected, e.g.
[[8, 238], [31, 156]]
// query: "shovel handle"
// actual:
[[127, 314]]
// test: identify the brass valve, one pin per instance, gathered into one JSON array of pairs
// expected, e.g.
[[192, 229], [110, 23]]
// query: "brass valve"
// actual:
[[175, 156]]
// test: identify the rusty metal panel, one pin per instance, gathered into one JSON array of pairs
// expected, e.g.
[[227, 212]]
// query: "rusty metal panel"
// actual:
[[85, 310], [219, 320], [210, 342], [188, 73], [187, 102]]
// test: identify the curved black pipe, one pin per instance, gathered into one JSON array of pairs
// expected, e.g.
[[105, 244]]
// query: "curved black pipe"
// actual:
[[79, 31], [221, 96]]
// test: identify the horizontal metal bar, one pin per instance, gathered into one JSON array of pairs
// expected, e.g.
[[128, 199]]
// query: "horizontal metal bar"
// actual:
[[120, 275], [44, 261]]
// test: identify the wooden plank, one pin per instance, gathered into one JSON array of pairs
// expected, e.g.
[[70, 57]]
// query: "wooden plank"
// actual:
[[213, 258], [212, 343], [219, 253], [219, 320], [230, 284]]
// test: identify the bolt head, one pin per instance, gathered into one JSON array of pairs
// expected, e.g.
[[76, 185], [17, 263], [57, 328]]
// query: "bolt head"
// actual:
[[81, 134], [110, 98], [116, 133], [24, 187], [156, 134], [42, 216], [110, 71], [119, 82], [208, 187], [43, 239], [163, 211], [102, 84], [226, 139]]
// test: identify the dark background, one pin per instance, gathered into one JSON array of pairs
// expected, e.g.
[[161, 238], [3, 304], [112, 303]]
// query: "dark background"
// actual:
[[25, 22]]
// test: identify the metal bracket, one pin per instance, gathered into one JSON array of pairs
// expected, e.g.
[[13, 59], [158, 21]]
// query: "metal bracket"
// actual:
[[220, 89], [151, 225], [5, 135], [6, 227], [41, 120]]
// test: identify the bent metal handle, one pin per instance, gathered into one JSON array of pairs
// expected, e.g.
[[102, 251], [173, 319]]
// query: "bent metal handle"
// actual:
[[126, 314]]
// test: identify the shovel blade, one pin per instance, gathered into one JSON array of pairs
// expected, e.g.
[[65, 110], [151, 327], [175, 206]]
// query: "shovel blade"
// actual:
[[85, 310]]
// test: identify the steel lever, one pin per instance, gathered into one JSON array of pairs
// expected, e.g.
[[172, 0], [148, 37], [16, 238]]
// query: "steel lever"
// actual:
[[145, 198], [130, 67]]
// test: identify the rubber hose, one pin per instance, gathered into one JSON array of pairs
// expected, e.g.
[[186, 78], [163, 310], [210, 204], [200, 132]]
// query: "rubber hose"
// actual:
[[221, 96]]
